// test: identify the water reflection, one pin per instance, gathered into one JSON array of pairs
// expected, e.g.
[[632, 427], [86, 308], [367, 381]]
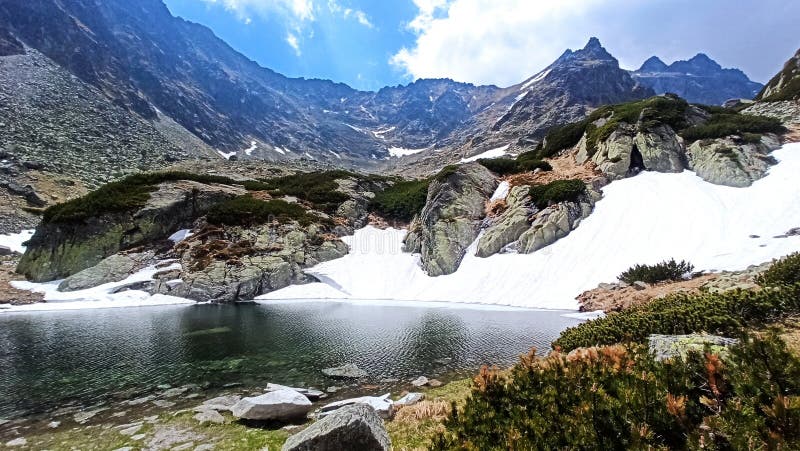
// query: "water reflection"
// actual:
[[49, 359]]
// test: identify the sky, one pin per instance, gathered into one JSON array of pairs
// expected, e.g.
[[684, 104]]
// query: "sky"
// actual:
[[369, 44]]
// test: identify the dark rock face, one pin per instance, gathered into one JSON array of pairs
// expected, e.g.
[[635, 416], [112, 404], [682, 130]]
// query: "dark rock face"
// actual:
[[567, 90], [698, 80], [355, 427]]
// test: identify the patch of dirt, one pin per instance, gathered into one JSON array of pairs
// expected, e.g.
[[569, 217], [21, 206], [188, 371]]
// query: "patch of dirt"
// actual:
[[564, 168], [9, 294], [615, 297], [793, 135]]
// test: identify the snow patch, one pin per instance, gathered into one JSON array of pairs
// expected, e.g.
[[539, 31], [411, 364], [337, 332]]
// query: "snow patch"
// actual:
[[14, 241], [279, 150], [501, 192], [180, 235], [643, 219], [226, 155], [539, 77], [102, 296], [402, 152], [491, 153], [253, 146]]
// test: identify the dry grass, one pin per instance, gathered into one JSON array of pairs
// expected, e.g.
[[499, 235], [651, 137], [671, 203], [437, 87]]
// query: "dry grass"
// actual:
[[436, 410], [564, 168], [495, 208], [793, 135]]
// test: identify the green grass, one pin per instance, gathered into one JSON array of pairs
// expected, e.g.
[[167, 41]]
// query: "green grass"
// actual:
[[790, 91], [524, 162], [402, 200], [556, 191], [246, 210], [725, 124]]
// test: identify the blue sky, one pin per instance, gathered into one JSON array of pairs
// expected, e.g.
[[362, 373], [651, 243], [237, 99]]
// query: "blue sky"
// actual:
[[369, 44]]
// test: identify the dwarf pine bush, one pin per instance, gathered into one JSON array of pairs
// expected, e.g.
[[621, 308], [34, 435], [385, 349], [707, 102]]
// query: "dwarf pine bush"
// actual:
[[660, 272]]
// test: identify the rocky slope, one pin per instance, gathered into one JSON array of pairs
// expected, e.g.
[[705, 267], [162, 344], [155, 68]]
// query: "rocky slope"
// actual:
[[698, 80], [785, 85]]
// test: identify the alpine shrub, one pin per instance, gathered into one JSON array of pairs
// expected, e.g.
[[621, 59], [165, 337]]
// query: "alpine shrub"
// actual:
[[247, 210], [785, 271], [402, 200], [660, 272], [557, 191]]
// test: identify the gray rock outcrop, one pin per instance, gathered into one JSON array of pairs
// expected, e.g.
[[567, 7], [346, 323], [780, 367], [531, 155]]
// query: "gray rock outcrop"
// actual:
[[731, 161], [355, 427], [280, 405], [672, 346], [111, 269], [556, 222], [349, 370], [59, 250], [451, 219], [507, 228]]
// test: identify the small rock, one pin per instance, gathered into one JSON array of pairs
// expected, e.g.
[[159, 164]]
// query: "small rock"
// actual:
[[309, 393], [754, 236], [5, 250], [173, 392], [142, 400], [433, 383], [204, 447], [354, 427], [17, 442], [83, 417], [183, 447], [53, 424], [151, 419], [131, 430], [209, 416], [163, 403], [383, 405], [639, 285], [164, 387], [125, 448], [220, 403], [410, 399], [420, 381], [349, 370], [277, 405], [138, 437], [389, 380], [332, 389]]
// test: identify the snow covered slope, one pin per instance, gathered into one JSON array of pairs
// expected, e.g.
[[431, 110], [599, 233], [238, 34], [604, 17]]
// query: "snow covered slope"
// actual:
[[644, 219]]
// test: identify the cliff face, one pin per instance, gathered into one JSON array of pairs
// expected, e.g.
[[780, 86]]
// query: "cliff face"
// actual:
[[786, 84]]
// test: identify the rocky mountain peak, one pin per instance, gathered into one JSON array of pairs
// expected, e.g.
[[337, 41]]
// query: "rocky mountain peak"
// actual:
[[594, 50], [653, 64], [700, 63]]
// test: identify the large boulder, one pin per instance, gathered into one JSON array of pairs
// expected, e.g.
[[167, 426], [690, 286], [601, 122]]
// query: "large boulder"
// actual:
[[507, 228], [351, 428], [660, 148], [613, 155], [59, 250], [451, 219], [382, 405], [111, 269], [279, 405], [731, 161], [556, 222]]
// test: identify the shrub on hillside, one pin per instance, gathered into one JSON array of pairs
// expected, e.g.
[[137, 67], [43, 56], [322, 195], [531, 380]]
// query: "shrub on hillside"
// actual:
[[557, 191], [785, 271], [317, 188], [247, 210], [402, 200], [620, 397], [716, 313], [660, 272], [721, 125], [508, 166], [128, 194]]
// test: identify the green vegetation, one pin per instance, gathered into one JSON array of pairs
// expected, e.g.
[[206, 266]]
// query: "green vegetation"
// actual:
[[446, 172], [620, 397], [246, 210], [125, 195], [728, 123], [660, 272], [402, 200], [791, 88], [557, 191], [680, 313], [508, 166], [317, 188], [785, 271]]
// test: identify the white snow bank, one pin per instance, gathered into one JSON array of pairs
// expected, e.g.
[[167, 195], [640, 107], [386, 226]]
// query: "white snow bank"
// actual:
[[180, 235], [537, 78], [491, 153], [249, 150], [99, 297], [402, 152], [14, 241], [644, 219], [502, 191], [226, 155]]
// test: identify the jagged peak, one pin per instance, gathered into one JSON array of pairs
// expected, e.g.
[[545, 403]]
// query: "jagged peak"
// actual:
[[593, 43]]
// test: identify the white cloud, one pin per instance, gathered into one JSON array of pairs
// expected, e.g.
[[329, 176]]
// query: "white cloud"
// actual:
[[347, 13], [293, 42], [486, 41], [301, 10]]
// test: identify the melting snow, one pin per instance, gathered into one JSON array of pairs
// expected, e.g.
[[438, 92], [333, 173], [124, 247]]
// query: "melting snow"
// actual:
[[502, 191], [102, 296], [14, 241], [492, 153], [402, 152], [180, 235], [226, 155], [279, 150], [535, 79], [643, 219], [253, 146]]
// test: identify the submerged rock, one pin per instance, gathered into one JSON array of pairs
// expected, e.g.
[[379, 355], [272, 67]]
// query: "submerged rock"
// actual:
[[279, 405], [349, 370], [351, 428]]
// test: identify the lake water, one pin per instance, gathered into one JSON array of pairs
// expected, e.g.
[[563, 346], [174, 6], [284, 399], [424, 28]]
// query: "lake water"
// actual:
[[49, 360]]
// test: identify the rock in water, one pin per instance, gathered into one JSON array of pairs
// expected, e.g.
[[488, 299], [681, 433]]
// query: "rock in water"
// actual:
[[349, 370], [382, 405], [278, 405], [355, 427]]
